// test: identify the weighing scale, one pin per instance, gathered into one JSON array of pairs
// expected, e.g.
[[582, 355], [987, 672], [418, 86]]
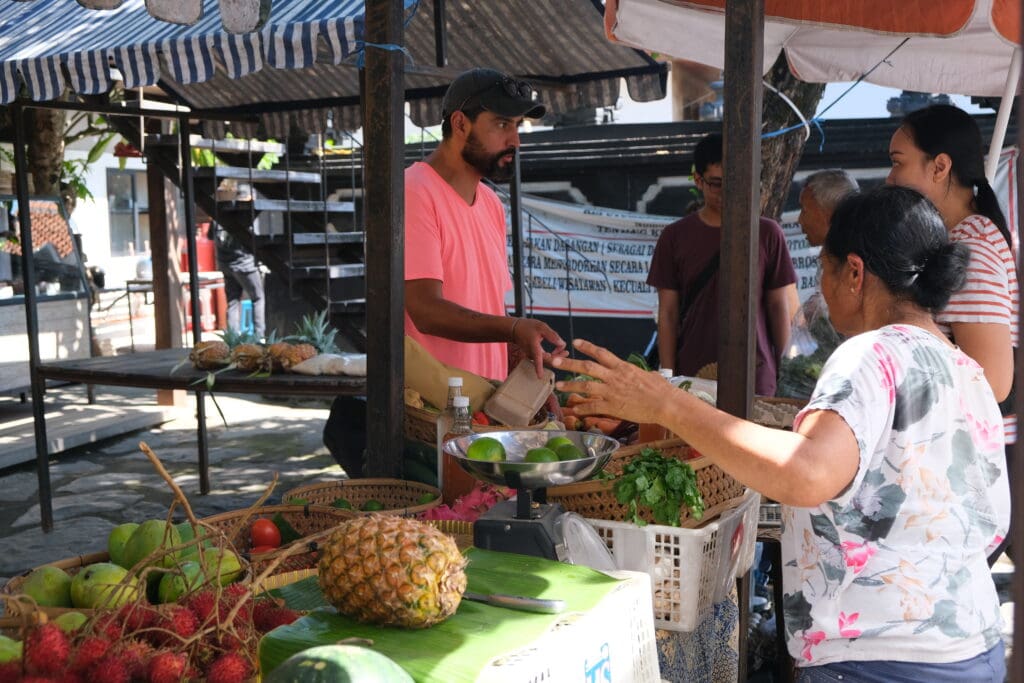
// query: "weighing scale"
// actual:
[[529, 525]]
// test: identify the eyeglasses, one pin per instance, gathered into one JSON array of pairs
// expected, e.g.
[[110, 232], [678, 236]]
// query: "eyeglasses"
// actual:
[[715, 183], [512, 87]]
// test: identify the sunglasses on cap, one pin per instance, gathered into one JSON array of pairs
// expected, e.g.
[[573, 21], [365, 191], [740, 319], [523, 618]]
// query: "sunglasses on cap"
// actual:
[[511, 86]]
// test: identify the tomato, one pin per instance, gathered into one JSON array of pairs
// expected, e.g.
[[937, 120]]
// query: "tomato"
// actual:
[[262, 549], [265, 532]]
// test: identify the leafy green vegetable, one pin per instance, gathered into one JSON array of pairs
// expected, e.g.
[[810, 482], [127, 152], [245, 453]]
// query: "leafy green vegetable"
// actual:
[[662, 484], [639, 361]]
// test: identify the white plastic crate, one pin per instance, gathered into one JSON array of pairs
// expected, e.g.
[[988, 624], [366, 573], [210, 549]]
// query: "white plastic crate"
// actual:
[[690, 569], [612, 642]]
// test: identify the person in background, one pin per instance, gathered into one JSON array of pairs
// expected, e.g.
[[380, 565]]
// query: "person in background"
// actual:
[[821, 194], [684, 270], [456, 267], [893, 480], [938, 151], [812, 339], [241, 275]]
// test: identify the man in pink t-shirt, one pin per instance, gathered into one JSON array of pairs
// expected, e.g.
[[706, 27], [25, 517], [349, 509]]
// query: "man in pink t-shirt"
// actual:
[[456, 271]]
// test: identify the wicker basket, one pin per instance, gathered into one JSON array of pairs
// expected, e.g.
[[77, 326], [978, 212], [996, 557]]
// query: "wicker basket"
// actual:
[[71, 565], [305, 519], [594, 499], [421, 424], [398, 496]]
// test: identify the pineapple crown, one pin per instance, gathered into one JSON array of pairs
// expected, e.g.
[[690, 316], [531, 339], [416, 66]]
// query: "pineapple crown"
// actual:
[[315, 330], [233, 338]]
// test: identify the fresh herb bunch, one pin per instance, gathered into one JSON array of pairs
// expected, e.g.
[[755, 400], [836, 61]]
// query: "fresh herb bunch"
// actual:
[[662, 484]]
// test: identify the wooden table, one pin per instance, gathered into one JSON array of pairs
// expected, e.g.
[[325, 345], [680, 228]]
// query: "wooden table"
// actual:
[[152, 370]]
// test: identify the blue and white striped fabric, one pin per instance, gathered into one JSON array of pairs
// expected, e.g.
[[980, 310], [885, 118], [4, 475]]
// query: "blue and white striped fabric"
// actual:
[[41, 39]]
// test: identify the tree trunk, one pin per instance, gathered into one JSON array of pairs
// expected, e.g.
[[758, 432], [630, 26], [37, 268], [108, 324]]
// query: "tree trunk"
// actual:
[[45, 133], [780, 155]]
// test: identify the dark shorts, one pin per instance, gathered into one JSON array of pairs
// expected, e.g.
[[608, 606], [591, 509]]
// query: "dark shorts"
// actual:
[[988, 667]]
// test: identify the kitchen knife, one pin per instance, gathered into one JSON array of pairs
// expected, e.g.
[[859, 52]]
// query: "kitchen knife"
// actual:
[[518, 602]]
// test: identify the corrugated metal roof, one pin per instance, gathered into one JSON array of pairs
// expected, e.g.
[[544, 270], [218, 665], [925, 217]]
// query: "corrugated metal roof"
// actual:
[[301, 67]]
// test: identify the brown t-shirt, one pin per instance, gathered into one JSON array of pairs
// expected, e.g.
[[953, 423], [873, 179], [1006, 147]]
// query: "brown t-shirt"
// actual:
[[684, 249]]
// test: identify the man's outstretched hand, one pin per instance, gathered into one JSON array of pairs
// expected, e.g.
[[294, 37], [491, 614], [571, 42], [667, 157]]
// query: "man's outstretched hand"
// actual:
[[529, 335]]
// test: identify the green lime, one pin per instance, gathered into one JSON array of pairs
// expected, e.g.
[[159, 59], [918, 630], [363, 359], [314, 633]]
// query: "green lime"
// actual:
[[342, 504], [556, 441], [569, 451], [426, 498], [297, 501], [540, 455], [372, 506], [487, 449]]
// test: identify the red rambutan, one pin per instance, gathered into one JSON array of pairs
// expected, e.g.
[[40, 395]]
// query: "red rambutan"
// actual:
[[176, 624], [268, 619], [46, 650], [88, 652], [108, 626], [110, 669], [167, 667], [229, 668], [136, 655], [10, 671], [136, 617], [202, 604]]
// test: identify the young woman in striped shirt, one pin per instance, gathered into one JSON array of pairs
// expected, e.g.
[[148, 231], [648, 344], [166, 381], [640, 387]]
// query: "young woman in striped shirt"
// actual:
[[938, 152]]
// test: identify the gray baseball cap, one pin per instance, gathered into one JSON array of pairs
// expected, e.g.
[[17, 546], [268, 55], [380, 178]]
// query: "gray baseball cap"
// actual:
[[492, 91]]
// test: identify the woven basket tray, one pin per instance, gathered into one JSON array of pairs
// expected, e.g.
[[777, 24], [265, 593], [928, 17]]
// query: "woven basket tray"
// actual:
[[71, 565], [398, 496], [421, 424], [595, 500], [305, 519]]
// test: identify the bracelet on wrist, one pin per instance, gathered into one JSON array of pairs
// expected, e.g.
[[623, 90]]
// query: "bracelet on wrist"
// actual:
[[512, 334]]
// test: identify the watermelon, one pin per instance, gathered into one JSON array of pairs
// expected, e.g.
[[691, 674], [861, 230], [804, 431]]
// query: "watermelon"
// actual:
[[338, 664]]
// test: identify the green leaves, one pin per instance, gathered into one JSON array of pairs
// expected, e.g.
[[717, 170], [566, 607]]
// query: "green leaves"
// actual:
[[661, 484], [639, 361]]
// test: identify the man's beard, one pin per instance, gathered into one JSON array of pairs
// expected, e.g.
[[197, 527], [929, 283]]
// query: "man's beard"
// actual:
[[489, 166]]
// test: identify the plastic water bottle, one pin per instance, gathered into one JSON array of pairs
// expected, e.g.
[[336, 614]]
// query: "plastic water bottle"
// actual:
[[455, 482]]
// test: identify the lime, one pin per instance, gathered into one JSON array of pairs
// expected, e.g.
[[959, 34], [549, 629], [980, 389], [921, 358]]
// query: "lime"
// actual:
[[342, 504], [487, 449], [556, 441], [540, 455], [569, 451], [372, 506], [426, 498]]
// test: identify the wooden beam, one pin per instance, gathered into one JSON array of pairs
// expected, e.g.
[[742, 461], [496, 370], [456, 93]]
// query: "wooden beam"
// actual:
[[384, 134], [737, 285]]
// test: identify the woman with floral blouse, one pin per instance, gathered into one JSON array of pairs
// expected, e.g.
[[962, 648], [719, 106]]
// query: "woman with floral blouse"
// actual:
[[893, 480]]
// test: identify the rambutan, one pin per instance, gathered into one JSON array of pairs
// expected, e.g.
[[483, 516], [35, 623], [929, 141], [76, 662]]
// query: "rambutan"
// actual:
[[110, 669], [229, 668], [46, 650], [136, 617], [175, 625], [88, 652], [268, 619], [167, 667], [108, 626], [10, 671], [202, 604], [136, 655]]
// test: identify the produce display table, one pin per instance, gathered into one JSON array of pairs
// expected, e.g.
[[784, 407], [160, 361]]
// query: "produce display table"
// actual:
[[605, 634], [152, 370]]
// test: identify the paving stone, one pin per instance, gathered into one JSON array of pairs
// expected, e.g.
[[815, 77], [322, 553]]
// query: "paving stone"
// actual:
[[30, 548]]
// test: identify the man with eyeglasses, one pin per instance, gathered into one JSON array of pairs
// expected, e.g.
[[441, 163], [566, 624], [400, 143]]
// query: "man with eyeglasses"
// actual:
[[456, 269], [684, 269]]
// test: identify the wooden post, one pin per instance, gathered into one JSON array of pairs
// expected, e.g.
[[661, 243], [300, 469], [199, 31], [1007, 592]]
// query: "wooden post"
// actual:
[[737, 303], [1016, 665], [165, 247], [384, 135]]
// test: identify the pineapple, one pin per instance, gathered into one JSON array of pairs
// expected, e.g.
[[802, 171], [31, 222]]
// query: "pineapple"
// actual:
[[209, 355], [250, 358], [315, 331], [285, 356], [389, 570]]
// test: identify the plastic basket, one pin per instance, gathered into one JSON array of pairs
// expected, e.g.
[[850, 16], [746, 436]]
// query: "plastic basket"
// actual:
[[305, 519], [421, 424], [770, 515], [595, 499], [690, 569], [398, 496]]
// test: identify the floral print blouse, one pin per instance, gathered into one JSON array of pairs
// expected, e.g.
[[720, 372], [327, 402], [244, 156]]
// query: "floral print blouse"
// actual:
[[894, 568]]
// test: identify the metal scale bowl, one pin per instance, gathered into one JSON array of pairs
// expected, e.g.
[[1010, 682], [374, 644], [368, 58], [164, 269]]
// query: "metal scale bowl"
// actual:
[[529, 525]]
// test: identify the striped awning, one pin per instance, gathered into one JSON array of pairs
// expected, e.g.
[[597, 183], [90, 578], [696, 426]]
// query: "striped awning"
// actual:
[[297, 71], [46, 45]]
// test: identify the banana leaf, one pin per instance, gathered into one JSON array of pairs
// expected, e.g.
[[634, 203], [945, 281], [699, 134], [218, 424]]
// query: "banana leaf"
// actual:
[[460, 647]]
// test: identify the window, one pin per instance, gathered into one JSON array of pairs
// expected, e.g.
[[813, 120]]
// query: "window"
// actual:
[[129, 212]]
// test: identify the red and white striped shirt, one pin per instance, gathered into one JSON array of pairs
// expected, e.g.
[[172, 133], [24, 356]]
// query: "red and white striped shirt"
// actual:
[[990, 294]]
